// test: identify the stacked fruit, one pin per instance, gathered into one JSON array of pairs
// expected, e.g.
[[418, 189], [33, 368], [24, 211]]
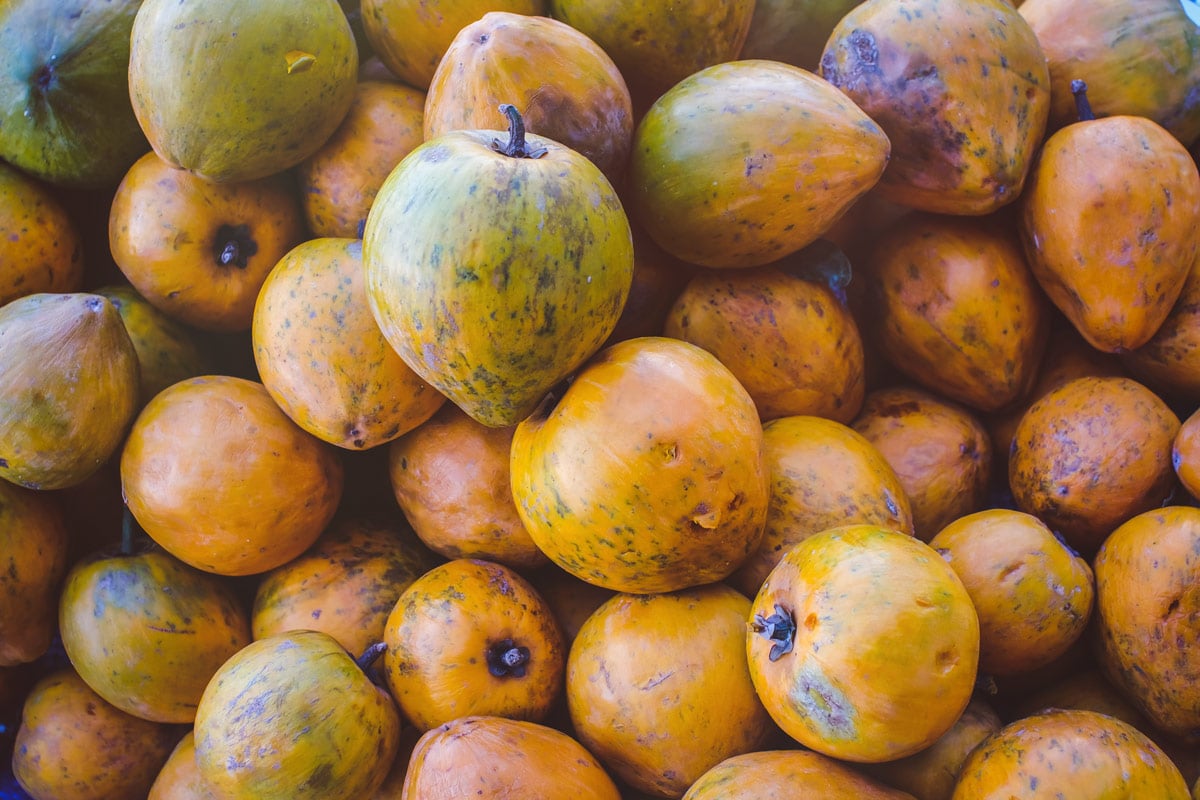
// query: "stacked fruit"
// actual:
[[579, 398]]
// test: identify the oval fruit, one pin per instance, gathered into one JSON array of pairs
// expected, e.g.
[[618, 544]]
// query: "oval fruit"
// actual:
[[33, 561], [769, 774], [41, 248]]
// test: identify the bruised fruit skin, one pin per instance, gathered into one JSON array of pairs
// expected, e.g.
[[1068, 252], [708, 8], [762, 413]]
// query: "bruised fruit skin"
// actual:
[[648, 474], [863, 644], [779, 774], [1069, 753], [74, 745], [564, 85], [41, 250], [321, 356], [472, 637], [503, 758], [33, 560], [674, 697], [495, 266], [294, 716], [961, 89], [743, 163], [1147, 604], [69, 384], [1091, 454], [1108, 223]]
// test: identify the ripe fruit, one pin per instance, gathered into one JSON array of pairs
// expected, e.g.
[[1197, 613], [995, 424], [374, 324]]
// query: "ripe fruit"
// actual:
[[41, 249], [496, 268], [33, 541], [787, 773]]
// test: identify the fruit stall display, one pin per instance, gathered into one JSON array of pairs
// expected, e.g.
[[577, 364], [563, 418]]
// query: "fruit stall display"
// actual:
[[595, 399]]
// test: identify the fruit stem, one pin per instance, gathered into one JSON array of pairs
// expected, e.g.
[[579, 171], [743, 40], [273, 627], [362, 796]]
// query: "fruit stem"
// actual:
[[233, 246], [780, 628], [369, 655], [1083, 108], [515, 147], [506, 658]]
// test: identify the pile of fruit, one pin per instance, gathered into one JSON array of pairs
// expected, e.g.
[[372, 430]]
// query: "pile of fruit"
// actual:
[[596, 399]]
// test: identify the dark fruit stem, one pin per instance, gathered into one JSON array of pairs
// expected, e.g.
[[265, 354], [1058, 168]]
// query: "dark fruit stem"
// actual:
[[233, 246], [780, 628], [506, 658], [369, 655], [1083, 109], [516, 146]]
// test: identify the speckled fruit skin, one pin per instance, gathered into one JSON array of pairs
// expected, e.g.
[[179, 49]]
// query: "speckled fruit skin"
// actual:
[[1169, 362], [658, 688], [1033, 595], [33, 561], [1108, 224], [956, 308], [238, 91], [494, 277], [68, 387], [648, 474], [321, 355], [1090, 454], [885, 647], [445, 632], [743, 163], [293, 716], [73, 745], [785, 774], [1069, 753], [565, 86], [504, 759], [1147, 597], [961, 89], [219, 476], [790, 341], [42, 249], [823, 474], [147, 632]]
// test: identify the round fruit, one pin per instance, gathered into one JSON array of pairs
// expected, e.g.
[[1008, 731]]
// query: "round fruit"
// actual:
[[496, 268], [769, 774], [41, 249], [235, 91], [648, 474], [863, 644]]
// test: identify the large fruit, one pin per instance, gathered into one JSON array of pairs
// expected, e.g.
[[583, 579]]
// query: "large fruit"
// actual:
[[745, 162], [648, 474], [64, 90], [234, 91], [41, 249], [496, 268], [291, 717], [863, 644], [33, 561], [69, 386], [960, 87]]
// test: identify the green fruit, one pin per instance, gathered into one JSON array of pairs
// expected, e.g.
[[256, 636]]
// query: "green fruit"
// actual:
[[233, 90], [65, 115], [496, 269]]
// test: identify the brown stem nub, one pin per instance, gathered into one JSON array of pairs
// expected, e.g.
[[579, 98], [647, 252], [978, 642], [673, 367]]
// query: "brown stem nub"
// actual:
[[515, 147], [369, 655], [233, 246], [1083, 109], [780, 628], [506, 658]]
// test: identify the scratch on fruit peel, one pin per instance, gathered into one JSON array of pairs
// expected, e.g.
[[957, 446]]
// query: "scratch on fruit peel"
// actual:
[[823, 705], [298, 60]]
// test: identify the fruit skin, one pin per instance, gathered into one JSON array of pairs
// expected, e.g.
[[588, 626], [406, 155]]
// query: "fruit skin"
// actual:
[[495, 276], [74, 745], [1108, 224], [1073, 753], [1169, 362], [1185, 454], [1090, 454], [648, 475], [42, 247], [675, 696], [565, 86], [179, 778], [793, 32], [234, 91], [64, 90], [743, 163], [505, 759], [322, 357], [147, 632], [68, 387], [884, 649], [783, 774], [447, 633], [293, 716], [1146, 606], [189, 458], [961, 88], [33, 544]]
